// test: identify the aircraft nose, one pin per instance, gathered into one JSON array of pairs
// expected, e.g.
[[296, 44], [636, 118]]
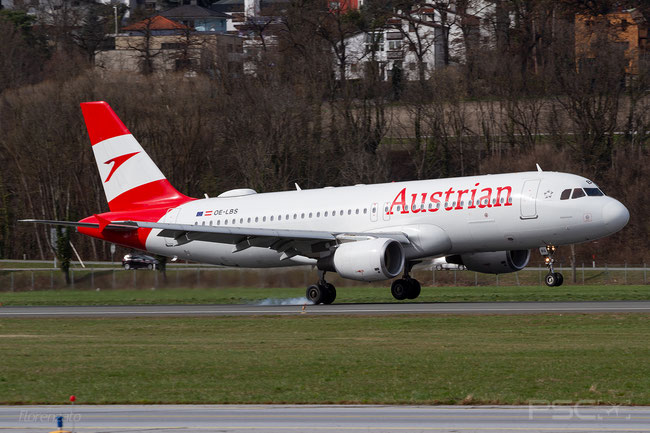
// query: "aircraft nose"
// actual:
[[615, 215]]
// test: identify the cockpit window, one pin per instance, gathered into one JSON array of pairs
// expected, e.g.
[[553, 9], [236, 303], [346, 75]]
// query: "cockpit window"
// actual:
[[566, 194], [593, 192], [577, 193]]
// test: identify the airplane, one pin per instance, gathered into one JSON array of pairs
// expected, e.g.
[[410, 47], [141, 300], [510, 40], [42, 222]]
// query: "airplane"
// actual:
[[485, 223]]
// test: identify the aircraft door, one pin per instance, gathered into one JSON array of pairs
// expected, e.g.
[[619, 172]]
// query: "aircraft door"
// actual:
[[529, 199], [170, 218], [385, 211], [374, 209]]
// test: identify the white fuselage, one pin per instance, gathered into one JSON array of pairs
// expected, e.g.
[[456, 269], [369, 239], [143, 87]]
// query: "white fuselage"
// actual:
[[443, 216]]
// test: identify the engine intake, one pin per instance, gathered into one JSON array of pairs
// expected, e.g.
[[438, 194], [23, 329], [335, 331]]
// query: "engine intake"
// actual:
[[493, 262], [369, 260]]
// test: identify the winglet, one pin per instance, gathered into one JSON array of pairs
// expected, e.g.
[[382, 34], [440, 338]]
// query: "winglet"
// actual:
[[538, 168]]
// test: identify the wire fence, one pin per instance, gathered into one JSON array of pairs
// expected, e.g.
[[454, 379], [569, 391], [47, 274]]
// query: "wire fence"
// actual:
[[106, 276]]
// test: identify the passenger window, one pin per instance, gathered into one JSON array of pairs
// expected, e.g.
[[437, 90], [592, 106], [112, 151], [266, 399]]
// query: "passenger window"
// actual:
[[565, 194], [349, 211], [317, 214], [257, 219], [357, 212], [241, 220], [325, 214], [249, 220], [302, 215], [341, 213], [225, 222], [310, 214], [279, 217], [210, 222], [365, 210], [234, 220], [593, 192], [218, 222], [577, 193], [264, 219], [271, 218]]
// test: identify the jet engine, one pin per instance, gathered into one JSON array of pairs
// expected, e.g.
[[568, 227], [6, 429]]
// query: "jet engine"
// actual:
[[368, 260], [493, 262]]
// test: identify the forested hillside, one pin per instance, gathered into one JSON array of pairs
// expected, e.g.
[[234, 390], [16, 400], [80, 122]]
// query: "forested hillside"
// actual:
[[504, 108]]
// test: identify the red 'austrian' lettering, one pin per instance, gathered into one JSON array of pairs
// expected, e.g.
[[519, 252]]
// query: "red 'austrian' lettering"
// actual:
[[463, 198]]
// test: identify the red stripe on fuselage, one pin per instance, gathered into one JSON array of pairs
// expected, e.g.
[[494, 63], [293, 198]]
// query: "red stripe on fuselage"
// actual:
[[132, 238]]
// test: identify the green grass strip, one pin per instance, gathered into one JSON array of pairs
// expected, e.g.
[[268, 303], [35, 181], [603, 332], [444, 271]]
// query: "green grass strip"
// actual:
[[245, 295], [595, 358]]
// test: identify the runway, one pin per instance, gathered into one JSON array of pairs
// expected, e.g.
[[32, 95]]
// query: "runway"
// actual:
[[334, 309], [277, 418]]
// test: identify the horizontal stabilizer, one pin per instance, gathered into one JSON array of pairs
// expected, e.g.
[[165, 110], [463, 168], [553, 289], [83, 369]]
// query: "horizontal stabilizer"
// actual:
[[104, 225]]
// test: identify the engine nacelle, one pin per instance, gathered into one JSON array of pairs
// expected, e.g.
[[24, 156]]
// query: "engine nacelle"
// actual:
[[493, 262], [369, 260]]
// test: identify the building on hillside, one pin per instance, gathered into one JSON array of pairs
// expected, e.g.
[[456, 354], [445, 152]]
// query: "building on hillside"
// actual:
[[344, 5], [158, 44], [199, 18], [626, 30], [241, 10], [415, 43]]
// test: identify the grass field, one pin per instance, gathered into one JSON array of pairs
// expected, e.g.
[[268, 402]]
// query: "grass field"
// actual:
[[599, 358], [345, 294]]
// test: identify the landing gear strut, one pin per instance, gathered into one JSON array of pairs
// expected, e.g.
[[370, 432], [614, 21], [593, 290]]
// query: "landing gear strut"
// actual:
[[321, 292], [552, 279], [406, 287]]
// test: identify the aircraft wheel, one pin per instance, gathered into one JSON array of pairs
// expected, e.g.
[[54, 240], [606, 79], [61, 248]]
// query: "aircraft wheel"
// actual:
[[315, 294], [414, 288], [399, 289], [330, 294], [150, 266], [560, 279], [126, 266], [551, 279]]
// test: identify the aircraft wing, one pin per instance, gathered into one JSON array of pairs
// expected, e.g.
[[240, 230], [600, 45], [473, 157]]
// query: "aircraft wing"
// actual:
[[287, 241]]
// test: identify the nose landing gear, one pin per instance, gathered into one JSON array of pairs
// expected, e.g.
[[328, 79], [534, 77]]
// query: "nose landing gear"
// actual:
[[552, 279]]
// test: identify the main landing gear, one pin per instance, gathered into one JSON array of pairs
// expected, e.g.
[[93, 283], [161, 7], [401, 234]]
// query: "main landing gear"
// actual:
[[321, 292], [406, 287], [552, 279]]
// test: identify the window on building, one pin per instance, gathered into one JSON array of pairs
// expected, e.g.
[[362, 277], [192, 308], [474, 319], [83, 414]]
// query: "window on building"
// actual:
[[374, 41]]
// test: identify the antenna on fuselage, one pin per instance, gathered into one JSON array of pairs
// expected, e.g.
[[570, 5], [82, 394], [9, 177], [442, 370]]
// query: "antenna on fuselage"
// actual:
[[538, 168], [297, 187]]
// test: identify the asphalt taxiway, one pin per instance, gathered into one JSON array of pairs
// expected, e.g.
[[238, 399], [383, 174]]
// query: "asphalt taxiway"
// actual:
[[309, 418], [334, 309]]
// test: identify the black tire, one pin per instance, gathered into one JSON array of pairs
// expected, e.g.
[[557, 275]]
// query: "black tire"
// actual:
[[551, 279], [399, 289], [330, 294], [127, 266], [560, 279], [315, 294], [414, 288], [150, 266]]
